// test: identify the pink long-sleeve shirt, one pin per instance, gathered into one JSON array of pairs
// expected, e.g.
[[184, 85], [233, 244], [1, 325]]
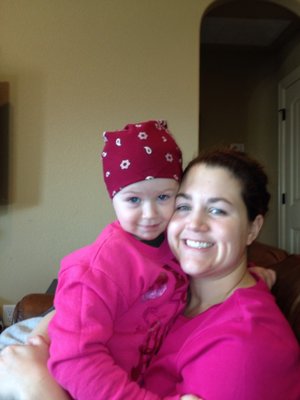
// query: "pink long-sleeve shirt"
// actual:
[[115, 301], [242, 349]]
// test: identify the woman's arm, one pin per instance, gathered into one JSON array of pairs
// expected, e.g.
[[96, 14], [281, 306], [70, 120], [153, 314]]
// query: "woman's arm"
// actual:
[[24, 374], [42, 328]]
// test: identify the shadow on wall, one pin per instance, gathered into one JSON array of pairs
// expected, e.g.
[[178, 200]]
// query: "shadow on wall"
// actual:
[[21, 140], [4, 141]]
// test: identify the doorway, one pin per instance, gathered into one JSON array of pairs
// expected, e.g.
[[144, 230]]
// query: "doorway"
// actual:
[[289, 161], [244, 51]]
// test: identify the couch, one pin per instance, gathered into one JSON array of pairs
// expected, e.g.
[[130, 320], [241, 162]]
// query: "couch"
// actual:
[[286, 289]]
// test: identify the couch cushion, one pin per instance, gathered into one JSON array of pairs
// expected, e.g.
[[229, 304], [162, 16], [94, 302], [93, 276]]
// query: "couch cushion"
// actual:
[[264, 255], [32, 305], [287, 290]]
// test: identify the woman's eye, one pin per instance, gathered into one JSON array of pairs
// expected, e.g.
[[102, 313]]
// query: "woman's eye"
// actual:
[[217, 211], [182, 207]]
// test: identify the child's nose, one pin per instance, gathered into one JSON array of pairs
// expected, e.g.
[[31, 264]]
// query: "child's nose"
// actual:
[[149, 210]]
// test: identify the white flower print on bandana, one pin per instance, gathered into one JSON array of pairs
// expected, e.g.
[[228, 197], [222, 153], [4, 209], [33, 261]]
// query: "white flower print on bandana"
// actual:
[[125, 164]]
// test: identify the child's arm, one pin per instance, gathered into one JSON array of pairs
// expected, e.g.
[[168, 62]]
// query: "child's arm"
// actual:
[[90, 306], [79, 358]]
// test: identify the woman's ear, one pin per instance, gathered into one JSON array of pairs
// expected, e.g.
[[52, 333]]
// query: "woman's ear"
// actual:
[[254, 228]]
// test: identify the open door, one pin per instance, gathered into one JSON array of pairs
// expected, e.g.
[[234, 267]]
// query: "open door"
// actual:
[[244, 45], [289, 162]]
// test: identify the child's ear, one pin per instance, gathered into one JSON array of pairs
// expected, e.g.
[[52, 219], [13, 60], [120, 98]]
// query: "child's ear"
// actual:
[[254, 228]]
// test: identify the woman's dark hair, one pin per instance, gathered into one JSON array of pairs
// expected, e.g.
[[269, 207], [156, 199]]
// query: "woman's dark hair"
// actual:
[[248, 171]]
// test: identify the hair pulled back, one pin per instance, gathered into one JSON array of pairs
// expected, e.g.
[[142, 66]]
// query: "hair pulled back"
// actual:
[[248, 171]]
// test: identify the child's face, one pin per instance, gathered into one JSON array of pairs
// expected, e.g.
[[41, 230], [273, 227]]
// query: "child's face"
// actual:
[[145, 208]]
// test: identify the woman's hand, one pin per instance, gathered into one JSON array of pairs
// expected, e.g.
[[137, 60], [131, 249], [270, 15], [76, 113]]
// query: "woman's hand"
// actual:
[[24, 374], [266, 274]]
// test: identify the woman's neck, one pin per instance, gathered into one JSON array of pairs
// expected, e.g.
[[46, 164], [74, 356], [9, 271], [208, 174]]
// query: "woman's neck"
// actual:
[[206, 292]]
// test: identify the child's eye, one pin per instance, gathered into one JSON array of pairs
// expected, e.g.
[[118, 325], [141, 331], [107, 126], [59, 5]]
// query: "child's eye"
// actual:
[[134, 200], [163, 197]]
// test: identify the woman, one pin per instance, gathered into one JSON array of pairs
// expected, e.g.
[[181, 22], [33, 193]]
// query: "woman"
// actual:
[[232, 342]]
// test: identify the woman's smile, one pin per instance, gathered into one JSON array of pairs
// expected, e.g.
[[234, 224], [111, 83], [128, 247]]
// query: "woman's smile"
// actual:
[[195, 244]]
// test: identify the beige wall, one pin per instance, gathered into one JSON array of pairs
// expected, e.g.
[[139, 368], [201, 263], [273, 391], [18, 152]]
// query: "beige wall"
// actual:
[[76, 69]]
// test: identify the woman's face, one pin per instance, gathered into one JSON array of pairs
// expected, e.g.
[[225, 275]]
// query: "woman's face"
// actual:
[[209, 230]]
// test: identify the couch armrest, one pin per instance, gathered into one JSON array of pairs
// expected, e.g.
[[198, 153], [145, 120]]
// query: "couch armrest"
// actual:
[[32, 305], [264, 255], [287, 290]]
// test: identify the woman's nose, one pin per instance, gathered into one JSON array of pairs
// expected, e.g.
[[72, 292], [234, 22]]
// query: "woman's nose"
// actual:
[[198, 221]]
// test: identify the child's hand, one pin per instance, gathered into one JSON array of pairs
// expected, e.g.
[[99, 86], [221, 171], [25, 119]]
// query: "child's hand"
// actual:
[[266, 274]]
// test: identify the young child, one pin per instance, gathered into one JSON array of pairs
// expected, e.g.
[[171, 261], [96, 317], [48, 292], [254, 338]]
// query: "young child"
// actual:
[[117, 297]]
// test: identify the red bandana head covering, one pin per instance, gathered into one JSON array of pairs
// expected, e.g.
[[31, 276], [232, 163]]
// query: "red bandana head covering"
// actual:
[[140, 151]]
